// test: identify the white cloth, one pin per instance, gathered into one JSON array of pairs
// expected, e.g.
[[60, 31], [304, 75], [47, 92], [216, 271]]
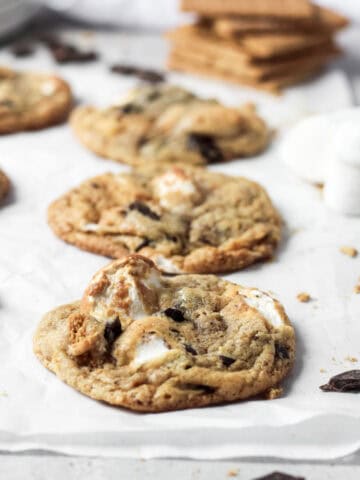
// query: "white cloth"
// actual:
[[39, 271]]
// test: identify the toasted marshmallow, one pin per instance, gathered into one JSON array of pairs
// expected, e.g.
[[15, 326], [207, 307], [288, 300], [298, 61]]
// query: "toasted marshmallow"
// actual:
[[175, 190], [124, 288]]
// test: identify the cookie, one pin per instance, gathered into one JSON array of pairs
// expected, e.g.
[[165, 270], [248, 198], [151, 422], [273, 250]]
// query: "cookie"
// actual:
[[185, 218], [157, 124], [153, 343], [4, 185], [252, 8], [30, 101]]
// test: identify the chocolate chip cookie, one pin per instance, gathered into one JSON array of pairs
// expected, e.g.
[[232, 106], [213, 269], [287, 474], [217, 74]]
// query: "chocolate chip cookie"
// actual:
[[4, 185], [31, 101], [151, 343], [185, 218], [164, 123]]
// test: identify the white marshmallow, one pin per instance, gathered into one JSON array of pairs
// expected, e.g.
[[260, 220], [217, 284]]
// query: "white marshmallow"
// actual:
[[342, 183], [165, 264], [307, 148], [263, 303], [154, 348]]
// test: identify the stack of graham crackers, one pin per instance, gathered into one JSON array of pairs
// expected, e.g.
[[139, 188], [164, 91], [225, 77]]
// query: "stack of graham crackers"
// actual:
[[267, 44]]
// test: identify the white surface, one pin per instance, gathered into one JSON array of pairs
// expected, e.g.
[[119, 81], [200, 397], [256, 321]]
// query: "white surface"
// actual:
[[38, 272]]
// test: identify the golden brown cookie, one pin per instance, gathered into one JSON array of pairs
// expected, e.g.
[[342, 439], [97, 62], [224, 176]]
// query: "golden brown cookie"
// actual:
[[160, 124], [30, 101], [152, 343], [4, 185], [186, 219]]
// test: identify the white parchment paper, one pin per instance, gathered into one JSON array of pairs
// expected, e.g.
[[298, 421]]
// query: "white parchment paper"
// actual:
[[39, 271]]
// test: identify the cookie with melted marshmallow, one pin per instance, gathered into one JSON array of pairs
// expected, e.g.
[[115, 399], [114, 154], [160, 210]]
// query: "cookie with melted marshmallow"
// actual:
[[149, 342], [185, 218], [165, 123], [30, 101]]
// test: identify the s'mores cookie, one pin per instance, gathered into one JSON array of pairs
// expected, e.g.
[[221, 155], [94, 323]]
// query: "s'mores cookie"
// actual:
[[30, 101], [151, 343], [186, 219]]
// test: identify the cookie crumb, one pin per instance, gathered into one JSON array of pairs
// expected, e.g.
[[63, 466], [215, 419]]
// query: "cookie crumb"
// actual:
[[273, 392], [322, 370], [349, 251], [357, 287], [233, 473], [303, 297], [351, 359]]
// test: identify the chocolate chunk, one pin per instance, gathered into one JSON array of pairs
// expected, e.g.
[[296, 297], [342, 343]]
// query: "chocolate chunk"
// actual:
[[175, 314], [144, 210], [123, 69], [22, 49], [95, 185], [279, 476], [131, 108], [206, 146], [112, 331], [65, 53], [344, 382], [146, 75], [227, 361], [150, 76], [6, 103], [143, 244], [190, 349], [281, 351]]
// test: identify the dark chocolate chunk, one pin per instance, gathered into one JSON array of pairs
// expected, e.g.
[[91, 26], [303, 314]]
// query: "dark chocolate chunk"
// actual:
[[175, 314], [6, 103], [112, 331], [131, 108], [123, 69], [279, 476], [66, 53], [143, 244], [144, 210], [227, 361], [281, 351], [95, 185], [344, 382], [190, 349], [146, 75], [206, 146], [150, 76], [22, 49]]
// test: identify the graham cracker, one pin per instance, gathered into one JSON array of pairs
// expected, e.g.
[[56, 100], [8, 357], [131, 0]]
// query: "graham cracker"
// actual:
[[276, 44], [177, 62], [273, 8], [196, 45], [323, 21]]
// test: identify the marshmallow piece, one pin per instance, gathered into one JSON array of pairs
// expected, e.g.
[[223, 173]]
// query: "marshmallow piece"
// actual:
[[263, 303], [342, 184], [307, 148], [150, 350]]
